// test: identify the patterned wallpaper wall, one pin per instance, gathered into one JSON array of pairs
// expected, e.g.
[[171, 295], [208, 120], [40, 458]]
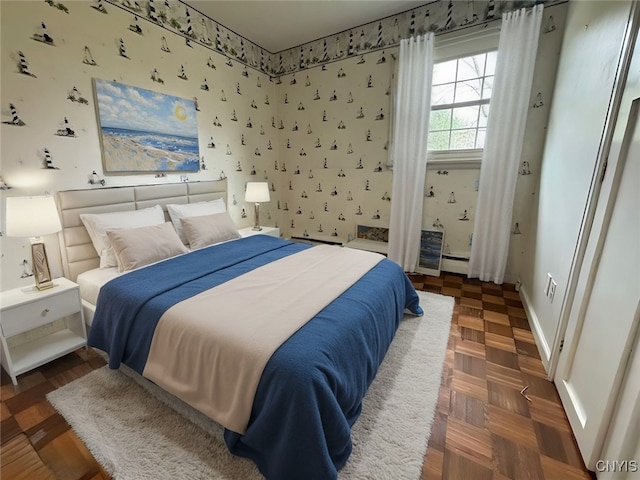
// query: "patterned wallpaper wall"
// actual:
[[329, 121], [334, 134], [50, 53]]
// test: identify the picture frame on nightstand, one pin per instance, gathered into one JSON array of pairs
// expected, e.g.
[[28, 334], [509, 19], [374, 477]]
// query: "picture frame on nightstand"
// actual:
[[430, 257], [41, 272]]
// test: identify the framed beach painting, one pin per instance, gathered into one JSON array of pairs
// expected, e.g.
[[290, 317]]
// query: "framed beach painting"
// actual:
[[430, 259], [142, 131]]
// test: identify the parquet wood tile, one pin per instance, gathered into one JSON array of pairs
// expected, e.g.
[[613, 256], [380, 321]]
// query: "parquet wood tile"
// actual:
[[470, 385], [4, 412], [476, 295], [495, 299], [471, 302], [468, 409], [523, 335], [47, 430], [540, 387], [502, 357], [502, 329], [475, 442], [67, 456], [471, 322], [450, 291], [472, 334], [557, 444], [36, 413], [518, 322], [508, 377], [433, 464], [28, 397], [499, 341], [526, 348], [531, 366], [497, 317], [21, 462], [511, 295], [472, 287], [9, 429], [508, 399], [438, 436], [469, 311], [554, 469], [517, 312], [471, 365], [483, 428], [550, 413], [474, 349], [494, 307], [515, 461], [458, 465], [515, 427]]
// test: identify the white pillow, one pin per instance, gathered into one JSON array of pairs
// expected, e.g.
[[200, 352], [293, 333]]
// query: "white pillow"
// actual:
[[206, 230], [136, 247], [97, 225], [178, 211]]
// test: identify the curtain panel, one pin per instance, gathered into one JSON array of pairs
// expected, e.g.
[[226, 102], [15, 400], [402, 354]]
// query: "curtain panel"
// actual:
[[510, 101], [412, 105]]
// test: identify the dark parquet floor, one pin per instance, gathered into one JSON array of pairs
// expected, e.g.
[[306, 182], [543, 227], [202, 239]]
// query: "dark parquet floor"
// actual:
[[483, 428]]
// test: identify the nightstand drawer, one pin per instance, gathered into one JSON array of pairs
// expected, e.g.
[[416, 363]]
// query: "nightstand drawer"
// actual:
[[28, 316]]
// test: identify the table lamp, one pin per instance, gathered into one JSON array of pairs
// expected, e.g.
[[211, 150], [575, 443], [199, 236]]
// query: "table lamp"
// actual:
[[257, 192], [33, 217]]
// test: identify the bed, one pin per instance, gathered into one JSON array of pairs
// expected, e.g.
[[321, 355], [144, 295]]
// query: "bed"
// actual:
[[293, 348]]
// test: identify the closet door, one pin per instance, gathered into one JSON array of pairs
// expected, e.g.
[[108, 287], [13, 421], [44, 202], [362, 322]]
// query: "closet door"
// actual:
[[604, 315]]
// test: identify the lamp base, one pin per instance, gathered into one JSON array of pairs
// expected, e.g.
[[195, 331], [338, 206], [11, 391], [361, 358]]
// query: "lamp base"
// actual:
[[256, 217]]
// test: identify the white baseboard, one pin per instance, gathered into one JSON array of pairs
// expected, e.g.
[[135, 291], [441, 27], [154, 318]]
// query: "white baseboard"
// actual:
[[536, 329]]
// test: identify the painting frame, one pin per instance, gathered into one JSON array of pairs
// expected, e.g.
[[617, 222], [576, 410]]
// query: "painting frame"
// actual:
[[41, 271], [429, 259], [143, 131]]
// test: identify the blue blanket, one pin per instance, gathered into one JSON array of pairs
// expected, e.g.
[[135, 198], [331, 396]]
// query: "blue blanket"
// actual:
[[311, 390]]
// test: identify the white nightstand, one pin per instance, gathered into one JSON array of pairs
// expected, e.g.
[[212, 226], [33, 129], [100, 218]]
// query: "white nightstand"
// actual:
[[25, 309], [247, 232]]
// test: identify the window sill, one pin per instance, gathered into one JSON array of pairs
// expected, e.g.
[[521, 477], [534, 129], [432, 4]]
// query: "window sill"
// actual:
[[455, 159]]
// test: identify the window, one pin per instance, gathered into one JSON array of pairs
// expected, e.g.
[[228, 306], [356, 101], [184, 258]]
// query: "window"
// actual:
[[460, 103]]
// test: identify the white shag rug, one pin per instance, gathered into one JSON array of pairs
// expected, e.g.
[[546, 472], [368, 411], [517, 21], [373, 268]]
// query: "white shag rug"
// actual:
[[136, 431]]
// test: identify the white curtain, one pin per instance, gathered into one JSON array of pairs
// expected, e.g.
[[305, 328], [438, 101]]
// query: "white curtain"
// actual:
[[409, 148], [503, 145]]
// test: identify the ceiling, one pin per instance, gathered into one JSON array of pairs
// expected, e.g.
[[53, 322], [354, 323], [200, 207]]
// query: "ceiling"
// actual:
[[277, 25]]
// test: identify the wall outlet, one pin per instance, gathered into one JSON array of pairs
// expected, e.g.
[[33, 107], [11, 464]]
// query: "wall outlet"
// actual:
[[547, 285], [552, 290]]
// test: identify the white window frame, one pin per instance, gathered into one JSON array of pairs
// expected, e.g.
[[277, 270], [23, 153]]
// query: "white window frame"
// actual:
[[451, 46]]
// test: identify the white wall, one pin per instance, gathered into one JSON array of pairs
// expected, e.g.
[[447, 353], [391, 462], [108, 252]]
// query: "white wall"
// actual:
[[590, 53]]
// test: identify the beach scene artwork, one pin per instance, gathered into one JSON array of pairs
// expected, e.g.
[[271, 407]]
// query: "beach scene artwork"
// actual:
[[142, 131], [431, 242]]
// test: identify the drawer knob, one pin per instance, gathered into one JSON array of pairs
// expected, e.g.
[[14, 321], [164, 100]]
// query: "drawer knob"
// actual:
[[45, 311]]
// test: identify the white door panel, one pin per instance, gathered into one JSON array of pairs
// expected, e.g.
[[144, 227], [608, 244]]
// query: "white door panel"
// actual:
[[602, 322]]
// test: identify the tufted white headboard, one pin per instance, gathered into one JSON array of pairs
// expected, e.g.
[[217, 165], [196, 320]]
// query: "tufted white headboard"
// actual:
[[77, 252]]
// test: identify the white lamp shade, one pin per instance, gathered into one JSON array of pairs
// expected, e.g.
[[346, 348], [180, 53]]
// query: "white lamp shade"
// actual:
[[31, 216], [257, 192]]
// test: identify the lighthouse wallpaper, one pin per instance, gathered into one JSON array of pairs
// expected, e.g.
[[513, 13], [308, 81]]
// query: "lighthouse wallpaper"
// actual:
[[313, 121]]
